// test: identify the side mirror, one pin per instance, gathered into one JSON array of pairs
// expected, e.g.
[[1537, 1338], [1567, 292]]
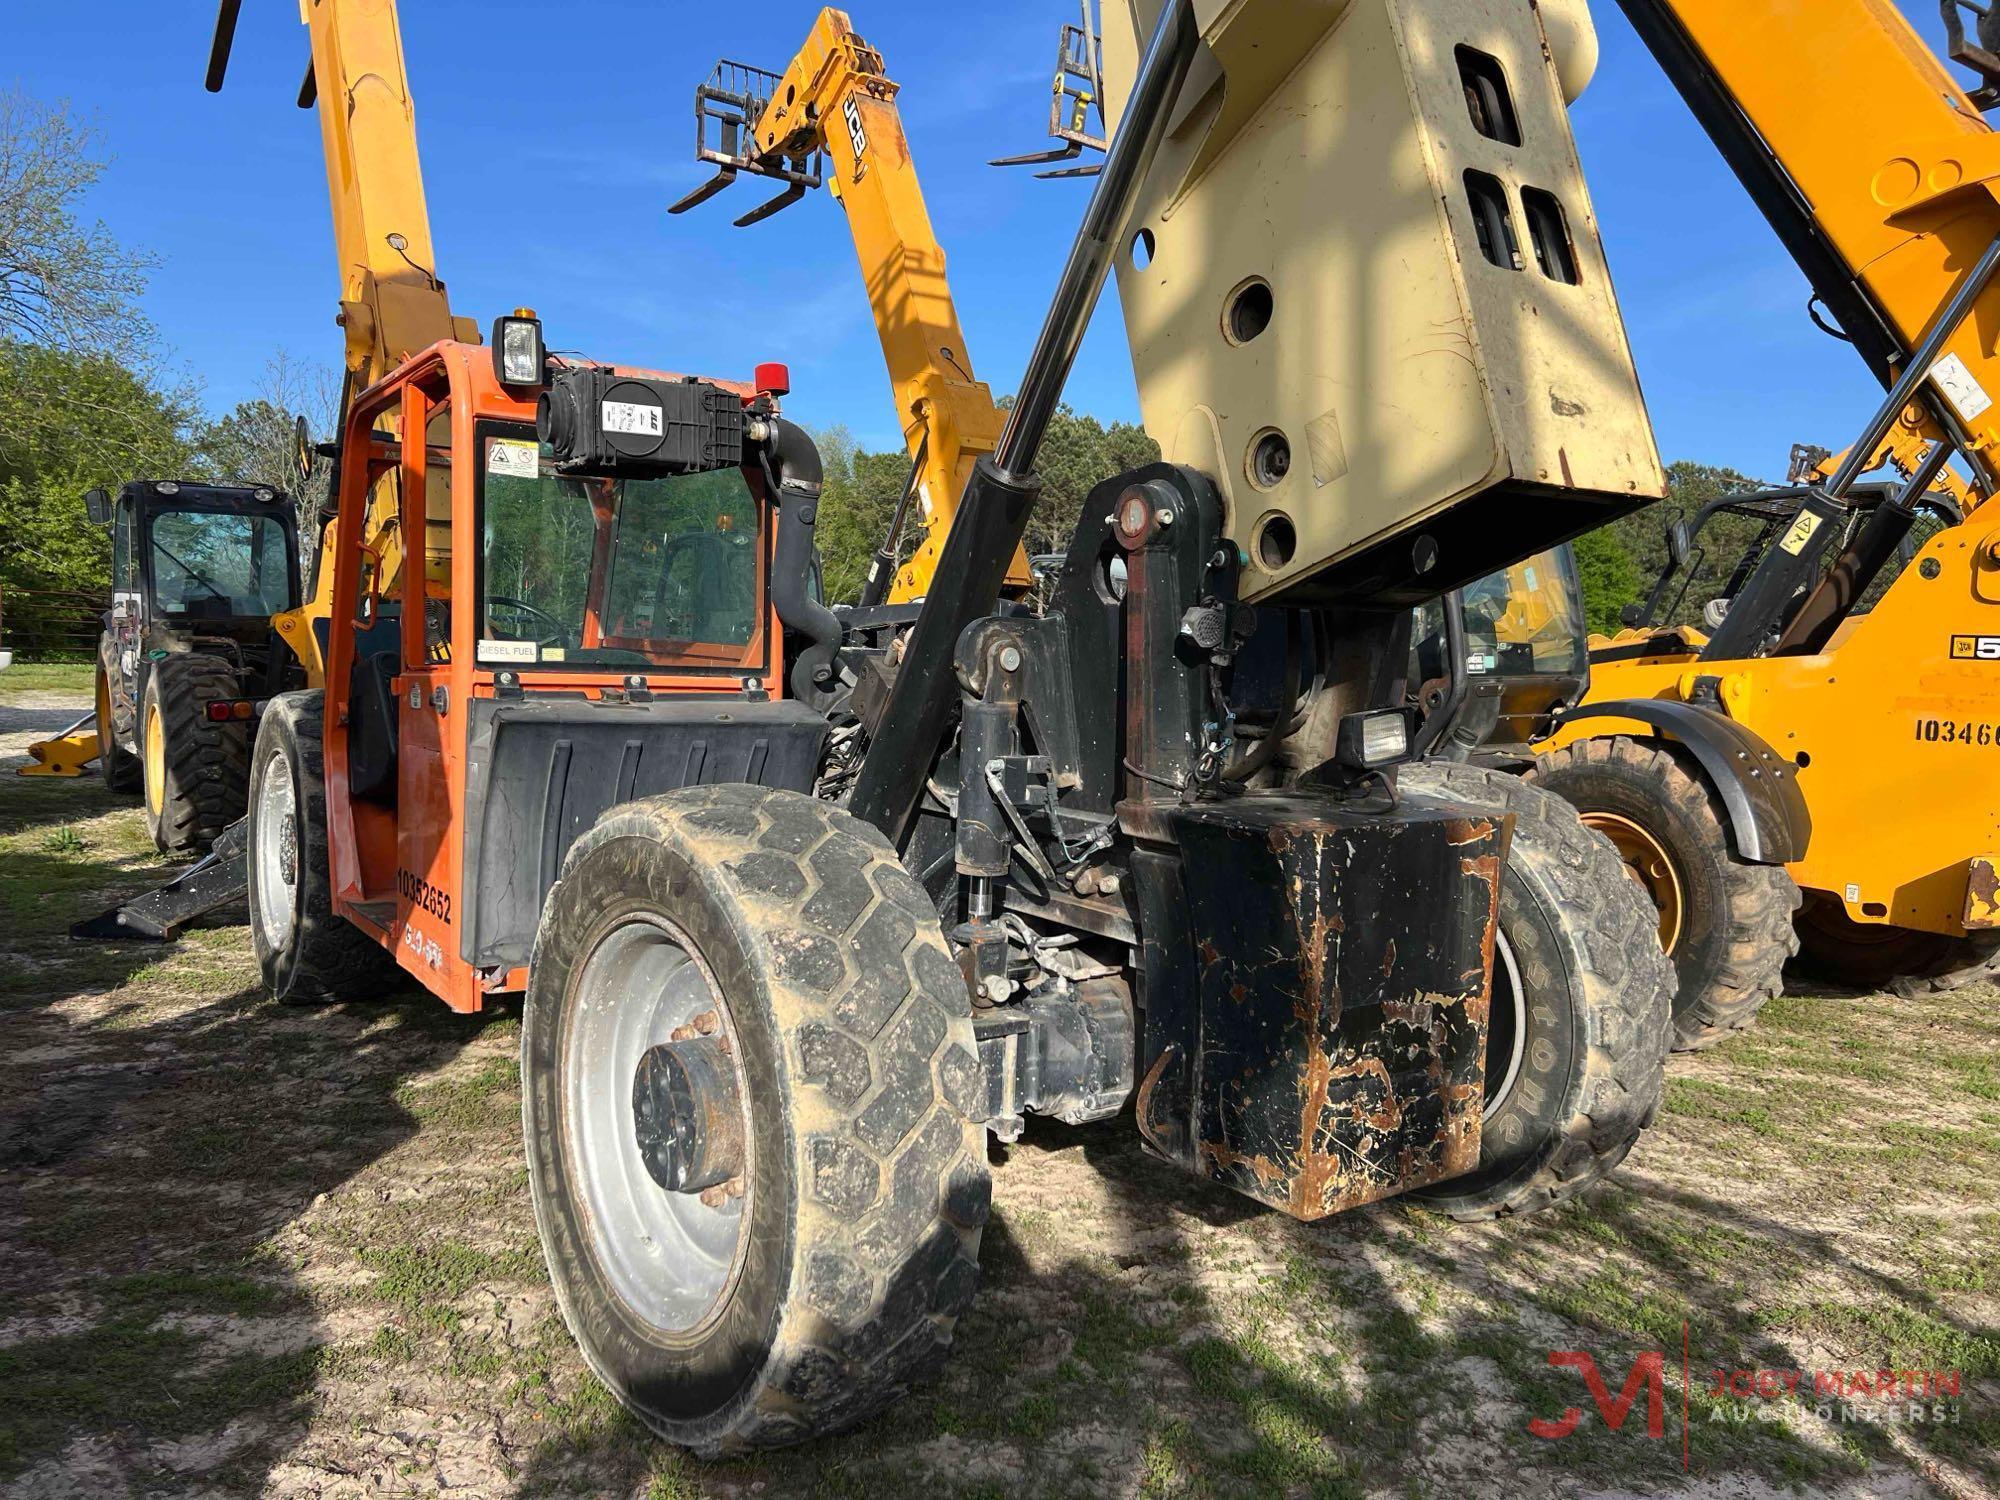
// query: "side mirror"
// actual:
[[303, 457], [97, 505], [1679, 543]]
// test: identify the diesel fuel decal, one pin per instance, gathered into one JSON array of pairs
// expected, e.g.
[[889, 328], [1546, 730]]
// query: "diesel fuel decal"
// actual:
[[1975, 648]]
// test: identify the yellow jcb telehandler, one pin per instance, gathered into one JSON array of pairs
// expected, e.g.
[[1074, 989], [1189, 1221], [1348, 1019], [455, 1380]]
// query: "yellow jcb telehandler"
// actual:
[[1828, 733]]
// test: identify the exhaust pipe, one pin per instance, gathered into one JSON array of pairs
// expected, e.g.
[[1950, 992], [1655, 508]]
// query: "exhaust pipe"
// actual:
[[793, 476]]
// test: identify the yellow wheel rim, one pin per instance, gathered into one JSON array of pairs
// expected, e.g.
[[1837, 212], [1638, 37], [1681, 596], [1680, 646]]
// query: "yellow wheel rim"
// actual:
[[103, 716], [156, 760], [1647, 862]]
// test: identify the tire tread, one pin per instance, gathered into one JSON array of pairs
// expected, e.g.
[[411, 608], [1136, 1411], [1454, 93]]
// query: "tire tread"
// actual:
[[1627, 981], [332, 959], [890, 1155], [207, 763], [1760, 899]]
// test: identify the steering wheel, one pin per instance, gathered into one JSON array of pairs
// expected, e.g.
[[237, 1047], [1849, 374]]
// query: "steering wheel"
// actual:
[[528, 614]]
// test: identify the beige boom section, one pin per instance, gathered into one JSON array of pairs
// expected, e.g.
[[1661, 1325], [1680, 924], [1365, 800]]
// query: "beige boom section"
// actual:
[[1368, 296]]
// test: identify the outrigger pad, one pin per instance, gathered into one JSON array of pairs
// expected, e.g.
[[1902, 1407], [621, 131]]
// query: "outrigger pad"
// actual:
[[220, 877], [1344, 955]]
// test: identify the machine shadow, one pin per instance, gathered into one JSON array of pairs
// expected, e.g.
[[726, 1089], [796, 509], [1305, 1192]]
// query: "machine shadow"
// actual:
[[28, 802], [149, 1164], [1096, 1357]]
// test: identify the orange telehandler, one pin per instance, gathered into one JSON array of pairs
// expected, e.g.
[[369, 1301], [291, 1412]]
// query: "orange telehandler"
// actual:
[[771, 1003]]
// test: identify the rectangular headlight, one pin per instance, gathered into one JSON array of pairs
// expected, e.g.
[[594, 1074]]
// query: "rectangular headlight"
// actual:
[[518, 353], [1372, 739]]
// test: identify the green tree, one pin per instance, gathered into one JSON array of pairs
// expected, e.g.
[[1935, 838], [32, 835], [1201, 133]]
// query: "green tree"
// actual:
[[79, 407], [1078, 454], [862, 489], [1721, 543], [1611, 579], [855, 510], [70, 422]]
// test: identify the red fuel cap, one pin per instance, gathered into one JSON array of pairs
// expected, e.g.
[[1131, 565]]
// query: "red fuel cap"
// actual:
[[774, 380]]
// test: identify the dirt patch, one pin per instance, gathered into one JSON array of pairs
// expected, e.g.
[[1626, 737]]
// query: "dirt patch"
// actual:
[[246, 1249]]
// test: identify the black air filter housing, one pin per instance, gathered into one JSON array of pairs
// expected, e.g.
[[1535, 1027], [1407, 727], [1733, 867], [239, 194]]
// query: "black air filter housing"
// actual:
[[599, 422]]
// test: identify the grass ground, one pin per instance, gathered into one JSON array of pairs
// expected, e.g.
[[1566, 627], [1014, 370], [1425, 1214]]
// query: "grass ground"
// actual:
[[24, 680], [246, 1249]]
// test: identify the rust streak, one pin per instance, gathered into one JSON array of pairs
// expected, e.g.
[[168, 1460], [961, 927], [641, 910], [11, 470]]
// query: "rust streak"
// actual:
[[1221, 1157]]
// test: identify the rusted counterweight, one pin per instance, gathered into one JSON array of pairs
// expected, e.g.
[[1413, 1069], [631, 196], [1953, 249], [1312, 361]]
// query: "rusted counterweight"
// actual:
[[1344, 963]]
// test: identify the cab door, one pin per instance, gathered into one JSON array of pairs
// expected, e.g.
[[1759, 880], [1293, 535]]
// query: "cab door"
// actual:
[[431, 717]]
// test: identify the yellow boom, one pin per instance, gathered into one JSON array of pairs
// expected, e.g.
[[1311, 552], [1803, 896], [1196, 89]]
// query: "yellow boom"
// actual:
[[392, 302], [836, 97]]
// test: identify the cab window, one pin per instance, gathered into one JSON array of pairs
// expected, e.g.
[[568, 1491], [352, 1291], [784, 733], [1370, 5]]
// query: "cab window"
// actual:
[[596, 572], [219, 566]]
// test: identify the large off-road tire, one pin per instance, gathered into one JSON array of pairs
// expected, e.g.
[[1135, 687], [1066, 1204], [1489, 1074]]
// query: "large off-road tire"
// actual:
[[1725, 923], [1835, 948], [120, 766], [306, 952], [1578, 1028], [826, 1276], [195, 771]]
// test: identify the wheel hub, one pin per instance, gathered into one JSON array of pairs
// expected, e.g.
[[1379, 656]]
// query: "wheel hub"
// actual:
[[646, 1016], [1649, 866], [274, 841], [687, 1116]]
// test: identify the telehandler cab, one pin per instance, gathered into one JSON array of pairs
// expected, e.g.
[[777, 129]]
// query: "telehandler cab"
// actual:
[[188, 654]]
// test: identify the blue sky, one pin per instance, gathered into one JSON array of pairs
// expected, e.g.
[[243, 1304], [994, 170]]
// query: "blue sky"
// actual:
[[554, 136]]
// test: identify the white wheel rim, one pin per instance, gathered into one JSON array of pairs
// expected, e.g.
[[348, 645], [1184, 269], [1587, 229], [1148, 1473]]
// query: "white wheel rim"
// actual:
[[1510, 1005], [276, 841], [671, 1258]]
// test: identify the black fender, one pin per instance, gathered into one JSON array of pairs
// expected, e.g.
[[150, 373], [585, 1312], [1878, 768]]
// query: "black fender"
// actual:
[[1759, 788]]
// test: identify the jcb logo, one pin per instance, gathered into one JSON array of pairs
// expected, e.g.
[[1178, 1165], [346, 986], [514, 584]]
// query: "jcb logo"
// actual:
[[856, 136], [1975, 648]]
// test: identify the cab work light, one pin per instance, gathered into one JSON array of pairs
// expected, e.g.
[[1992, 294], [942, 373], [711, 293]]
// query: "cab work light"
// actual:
[[519, 356], [598, 422]]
